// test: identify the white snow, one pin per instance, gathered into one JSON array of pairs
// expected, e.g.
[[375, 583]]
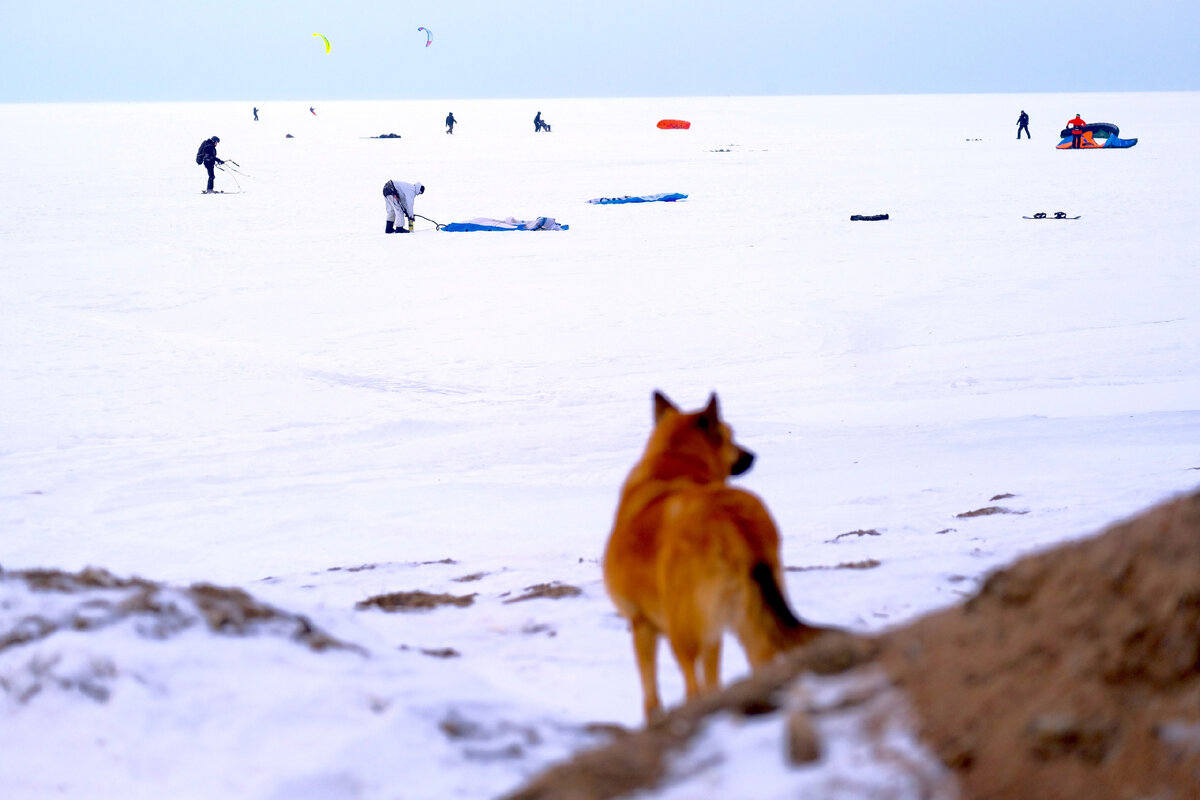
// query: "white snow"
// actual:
[[263, 390]]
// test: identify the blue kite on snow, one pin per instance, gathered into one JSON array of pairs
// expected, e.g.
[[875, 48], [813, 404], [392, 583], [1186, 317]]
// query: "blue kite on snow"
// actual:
[[509, 224], [665, 197]]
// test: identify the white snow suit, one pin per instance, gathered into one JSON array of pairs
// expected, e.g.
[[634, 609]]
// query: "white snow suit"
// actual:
[[400, 205]]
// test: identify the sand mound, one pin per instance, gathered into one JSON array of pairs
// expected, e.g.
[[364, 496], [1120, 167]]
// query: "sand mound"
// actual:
[[1073, 674]]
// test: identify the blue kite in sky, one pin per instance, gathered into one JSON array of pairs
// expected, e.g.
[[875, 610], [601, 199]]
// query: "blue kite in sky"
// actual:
[[428, 36]]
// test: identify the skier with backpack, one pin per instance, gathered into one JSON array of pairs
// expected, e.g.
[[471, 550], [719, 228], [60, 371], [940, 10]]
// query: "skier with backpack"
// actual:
[[207, 155]]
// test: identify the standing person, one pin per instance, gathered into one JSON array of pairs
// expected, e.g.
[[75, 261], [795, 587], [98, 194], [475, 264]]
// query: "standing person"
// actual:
[[450, 120], [256, 113], [537, 123], [1076, 126], [400, 197], [1023, 125], [207, 155]]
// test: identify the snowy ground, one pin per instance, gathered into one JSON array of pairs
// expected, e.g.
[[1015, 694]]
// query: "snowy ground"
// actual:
[[263, 390]]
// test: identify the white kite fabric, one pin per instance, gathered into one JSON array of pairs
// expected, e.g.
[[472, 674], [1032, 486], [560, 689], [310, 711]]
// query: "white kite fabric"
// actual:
[[506, 224]]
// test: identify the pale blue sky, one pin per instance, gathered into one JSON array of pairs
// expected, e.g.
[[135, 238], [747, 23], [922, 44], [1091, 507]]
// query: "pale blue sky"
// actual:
[[71, 50]]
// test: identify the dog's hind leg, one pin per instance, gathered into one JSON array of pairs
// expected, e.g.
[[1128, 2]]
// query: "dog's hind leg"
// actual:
[[645, 647], [687, 653], [711, 658]]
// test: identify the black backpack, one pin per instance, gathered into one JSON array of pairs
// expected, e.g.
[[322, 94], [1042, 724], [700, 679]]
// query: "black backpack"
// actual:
[[200, 152]]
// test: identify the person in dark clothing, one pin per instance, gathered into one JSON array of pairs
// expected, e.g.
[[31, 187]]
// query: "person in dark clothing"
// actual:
[[207, 156], [539, 124], [1023, 125], [450, 120], [256, 114]]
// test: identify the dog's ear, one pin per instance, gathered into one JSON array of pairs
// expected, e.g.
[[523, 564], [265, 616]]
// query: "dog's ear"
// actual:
[[662, 405], [710, 417]]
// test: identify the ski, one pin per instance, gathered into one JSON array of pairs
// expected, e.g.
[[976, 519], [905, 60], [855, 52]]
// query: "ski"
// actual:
[[1059, 215]]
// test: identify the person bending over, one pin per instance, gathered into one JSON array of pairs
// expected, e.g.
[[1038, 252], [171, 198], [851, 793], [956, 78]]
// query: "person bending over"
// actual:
[[400, 197]]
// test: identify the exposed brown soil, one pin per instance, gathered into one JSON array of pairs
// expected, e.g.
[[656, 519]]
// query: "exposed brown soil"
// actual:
[[414, 601], [866, 563], [552, 590], [156, 607], [1074, 673], [985, 512], [859, 533], [435, 652]]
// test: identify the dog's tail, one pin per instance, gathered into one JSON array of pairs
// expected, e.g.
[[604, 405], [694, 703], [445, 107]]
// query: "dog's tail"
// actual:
[[778, 626]]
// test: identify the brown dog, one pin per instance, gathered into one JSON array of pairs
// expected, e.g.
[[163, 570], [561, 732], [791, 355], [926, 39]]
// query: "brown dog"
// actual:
[[690, 557]]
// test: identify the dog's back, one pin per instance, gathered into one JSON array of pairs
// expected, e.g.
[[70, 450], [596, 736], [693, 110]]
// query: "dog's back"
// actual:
[[690, 557]]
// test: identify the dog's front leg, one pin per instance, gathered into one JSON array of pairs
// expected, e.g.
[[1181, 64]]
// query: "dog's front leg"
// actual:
[[645, 646]]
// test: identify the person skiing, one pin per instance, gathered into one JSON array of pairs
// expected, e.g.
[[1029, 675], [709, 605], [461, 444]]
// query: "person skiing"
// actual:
[[207, 155], [1076, 126], [1023, 125], [539, 124], [256, 113], [400, 197], [450, 120]]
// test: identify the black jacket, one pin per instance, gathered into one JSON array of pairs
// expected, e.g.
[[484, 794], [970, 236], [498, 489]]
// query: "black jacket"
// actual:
[[208, 152]]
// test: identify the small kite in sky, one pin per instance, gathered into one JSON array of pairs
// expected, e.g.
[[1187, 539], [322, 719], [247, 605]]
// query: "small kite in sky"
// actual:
[[327, 45], [428, 36]]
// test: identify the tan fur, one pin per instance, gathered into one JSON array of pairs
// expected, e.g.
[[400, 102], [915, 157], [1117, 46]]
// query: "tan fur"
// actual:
[[682, 556]]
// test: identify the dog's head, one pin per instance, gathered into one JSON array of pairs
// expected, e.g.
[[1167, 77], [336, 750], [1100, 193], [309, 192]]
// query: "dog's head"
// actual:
[[700, 435]]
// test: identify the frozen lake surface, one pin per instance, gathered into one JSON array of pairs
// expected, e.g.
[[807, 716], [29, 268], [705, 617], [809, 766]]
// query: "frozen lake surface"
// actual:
[[262, 390]]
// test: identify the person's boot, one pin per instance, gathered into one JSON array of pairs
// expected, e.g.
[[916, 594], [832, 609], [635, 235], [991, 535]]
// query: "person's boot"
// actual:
[[390, 227]]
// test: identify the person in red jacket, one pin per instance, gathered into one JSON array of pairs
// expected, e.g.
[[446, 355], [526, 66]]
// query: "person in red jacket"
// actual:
[[1076, 126]]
